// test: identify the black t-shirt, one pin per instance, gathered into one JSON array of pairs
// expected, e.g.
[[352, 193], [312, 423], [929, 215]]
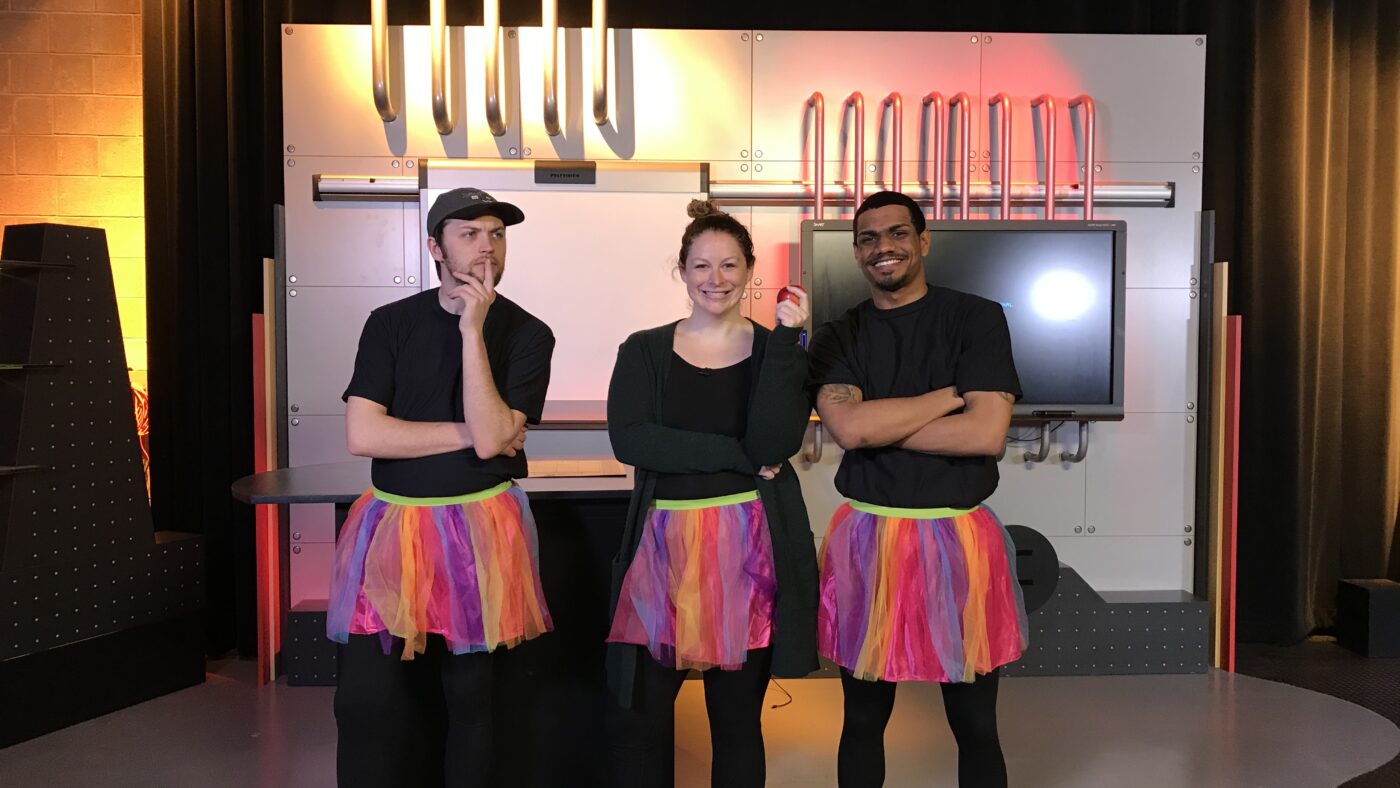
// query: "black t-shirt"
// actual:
[[705, 400], [946, 338], [410, 361]]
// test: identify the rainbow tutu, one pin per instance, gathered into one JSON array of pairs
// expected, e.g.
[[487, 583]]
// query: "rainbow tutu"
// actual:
[[919, 594], [466, 568], [699, 593]]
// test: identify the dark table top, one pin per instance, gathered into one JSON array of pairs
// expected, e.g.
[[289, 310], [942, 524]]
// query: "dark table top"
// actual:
[[343, 482]]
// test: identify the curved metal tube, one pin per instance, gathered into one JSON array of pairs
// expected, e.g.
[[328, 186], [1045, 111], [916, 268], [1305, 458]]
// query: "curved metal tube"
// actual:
[[442, 86], [858, 101], [1040, 454], [1082, 451], [1048, 114], [381, 80], [491, 21], [1004, 151], [938, 112], [600, 62], [896, 104], [549, 20], [1089, 153], [964, 105], [818, 105]]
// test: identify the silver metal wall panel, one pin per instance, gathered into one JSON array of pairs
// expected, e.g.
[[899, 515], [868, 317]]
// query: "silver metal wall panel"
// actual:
[[674, 95], [1128, 563], [1141, 475], [1161, 243], [323, 333], [1159, 362], [1047, 496], [1148, 90], [312, 522], [317, 440], [343, 243], [328, 109], [310, 571], [789, 65]]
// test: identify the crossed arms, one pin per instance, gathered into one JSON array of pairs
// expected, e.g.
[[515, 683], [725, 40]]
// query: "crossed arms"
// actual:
[[930, 423]]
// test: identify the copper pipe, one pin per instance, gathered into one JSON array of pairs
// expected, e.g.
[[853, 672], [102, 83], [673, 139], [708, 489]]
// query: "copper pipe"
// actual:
[[964, 105], [938, 111], [896, 104], [381, 78], [1004, 151], [818, 105], [600, 62], [1048, 115], [857, 101], [442, 82], [549, 20], [1089, 153]]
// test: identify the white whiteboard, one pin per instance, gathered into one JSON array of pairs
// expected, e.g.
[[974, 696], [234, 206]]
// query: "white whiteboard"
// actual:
[[595, 267]]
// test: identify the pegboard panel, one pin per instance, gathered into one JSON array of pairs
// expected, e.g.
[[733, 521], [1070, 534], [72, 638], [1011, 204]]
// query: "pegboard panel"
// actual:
[[78, 553], [1080, 633]]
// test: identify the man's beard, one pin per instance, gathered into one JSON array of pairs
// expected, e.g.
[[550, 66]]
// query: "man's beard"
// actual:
[[895, 285], [449, 264]]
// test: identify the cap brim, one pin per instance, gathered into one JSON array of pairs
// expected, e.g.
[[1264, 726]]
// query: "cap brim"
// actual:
[[507, 213]]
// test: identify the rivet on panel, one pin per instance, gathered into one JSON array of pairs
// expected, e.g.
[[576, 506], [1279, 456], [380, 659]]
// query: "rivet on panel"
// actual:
[[292, 293], [743, 36], [289, 31], [291, 162], [394, 164], [292, 279], [1190, 419], [510, 34], [1098, 168], [758, 37], [413, 280], [743, 154], [743, 168], [398, 280], [758, 154], [408, 164], [1200, 42], [870, 168], [528, 152], [1196, 170], [296, 409], [296, 422], [974, 39], [758, 168], [514, 151], [987, 40]]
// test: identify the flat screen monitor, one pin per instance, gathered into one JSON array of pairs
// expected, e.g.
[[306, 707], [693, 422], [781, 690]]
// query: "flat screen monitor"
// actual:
[[1061, 284]]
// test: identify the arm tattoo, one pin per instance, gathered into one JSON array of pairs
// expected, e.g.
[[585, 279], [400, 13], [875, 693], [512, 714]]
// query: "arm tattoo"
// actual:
[[838, 394], [1010, 398]]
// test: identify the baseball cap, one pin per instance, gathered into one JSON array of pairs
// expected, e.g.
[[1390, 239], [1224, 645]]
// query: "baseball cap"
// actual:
[[469, 203]]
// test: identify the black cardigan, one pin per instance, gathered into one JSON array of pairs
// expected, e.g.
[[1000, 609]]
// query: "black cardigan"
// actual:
[[777, 420]]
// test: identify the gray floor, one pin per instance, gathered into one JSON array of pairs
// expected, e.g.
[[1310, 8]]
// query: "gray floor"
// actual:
[[1141, 731]]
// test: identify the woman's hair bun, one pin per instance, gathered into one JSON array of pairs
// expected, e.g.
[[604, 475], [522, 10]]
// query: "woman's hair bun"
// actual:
[[699, 209]]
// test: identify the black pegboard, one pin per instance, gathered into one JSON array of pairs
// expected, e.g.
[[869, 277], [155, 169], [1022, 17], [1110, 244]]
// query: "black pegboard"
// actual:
[[79, 557], [310, 659], [1080, 632]]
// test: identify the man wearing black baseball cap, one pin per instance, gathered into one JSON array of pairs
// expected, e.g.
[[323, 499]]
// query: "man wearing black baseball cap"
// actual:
[[436, 565]]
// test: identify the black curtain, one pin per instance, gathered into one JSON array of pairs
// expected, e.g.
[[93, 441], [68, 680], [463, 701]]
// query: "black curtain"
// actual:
[[214, 148], [211, 167]]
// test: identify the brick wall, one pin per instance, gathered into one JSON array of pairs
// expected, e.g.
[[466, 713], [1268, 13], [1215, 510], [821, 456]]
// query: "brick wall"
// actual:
[[70, 133]]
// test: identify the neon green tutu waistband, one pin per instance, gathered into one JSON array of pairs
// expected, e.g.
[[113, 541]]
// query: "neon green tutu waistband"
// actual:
[[705, 503], [911, 514], [454, 500]]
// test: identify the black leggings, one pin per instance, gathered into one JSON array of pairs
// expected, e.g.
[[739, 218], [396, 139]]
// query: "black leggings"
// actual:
[[422, 722], [643, 737], [972, 714]]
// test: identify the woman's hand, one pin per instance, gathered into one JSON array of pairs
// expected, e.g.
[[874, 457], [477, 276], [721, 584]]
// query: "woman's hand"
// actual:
[[791, 312], [769, 471]]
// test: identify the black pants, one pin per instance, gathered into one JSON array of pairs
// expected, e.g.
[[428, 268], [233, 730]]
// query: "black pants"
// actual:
[[417, 723], [643, 737], [972, 714]]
